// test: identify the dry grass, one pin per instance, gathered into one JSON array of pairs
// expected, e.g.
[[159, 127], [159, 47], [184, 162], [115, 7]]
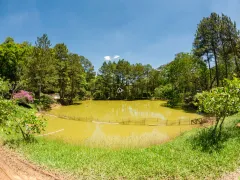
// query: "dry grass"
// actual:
[[99, 139]]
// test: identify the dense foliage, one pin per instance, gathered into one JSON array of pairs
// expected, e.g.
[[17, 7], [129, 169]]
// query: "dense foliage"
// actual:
[[4, 88], [45, 102], [41, 68], [15, 120], [122, 80], [220, 102]]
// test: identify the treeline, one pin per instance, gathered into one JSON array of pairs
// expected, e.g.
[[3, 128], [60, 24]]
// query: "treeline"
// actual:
[[214, 57], [45, 69], [41, 68], [122, 80]]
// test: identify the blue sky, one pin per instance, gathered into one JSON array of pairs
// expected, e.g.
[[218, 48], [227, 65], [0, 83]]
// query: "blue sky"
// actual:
[[144, 31]]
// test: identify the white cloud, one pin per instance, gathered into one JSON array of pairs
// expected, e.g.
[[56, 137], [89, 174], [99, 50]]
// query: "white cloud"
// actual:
[[116, 57], [107, 58]]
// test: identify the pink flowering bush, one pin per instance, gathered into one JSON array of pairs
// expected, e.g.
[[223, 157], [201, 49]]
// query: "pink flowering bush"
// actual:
[[24, 96]]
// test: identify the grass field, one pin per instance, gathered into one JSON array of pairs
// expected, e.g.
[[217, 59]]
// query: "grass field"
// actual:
[[186, 157]]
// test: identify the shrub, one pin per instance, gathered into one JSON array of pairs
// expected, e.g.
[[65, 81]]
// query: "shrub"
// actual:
[[16, 120], [167, 92], [23, 96], [4, 87], [163, 92], [87, 95], [99, 95], [220, 102], [81, 93], [45, 102]]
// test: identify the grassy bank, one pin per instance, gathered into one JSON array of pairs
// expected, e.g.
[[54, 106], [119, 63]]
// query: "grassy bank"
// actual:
[[186, 157]]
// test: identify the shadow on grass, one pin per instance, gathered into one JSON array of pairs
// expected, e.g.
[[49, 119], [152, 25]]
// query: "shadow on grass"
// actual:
[[16, 142], [207, 142], [12, 143]]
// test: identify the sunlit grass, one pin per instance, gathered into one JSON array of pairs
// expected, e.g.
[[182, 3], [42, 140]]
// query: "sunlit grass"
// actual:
[[99, 139], [177, 159]]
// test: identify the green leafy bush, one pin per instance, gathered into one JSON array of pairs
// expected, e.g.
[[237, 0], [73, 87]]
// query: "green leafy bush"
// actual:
[[167, 92], [99, 95], [174, 99], [87, 95], [220, 102], [4, 87], [163, 92], [16, 120], [45, 102]]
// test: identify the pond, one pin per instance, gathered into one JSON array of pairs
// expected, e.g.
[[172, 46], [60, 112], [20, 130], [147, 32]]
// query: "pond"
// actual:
[[118, 123]]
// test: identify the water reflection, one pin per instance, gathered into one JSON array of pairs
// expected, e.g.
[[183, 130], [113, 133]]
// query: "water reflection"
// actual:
[[112, 134], [119, 110]]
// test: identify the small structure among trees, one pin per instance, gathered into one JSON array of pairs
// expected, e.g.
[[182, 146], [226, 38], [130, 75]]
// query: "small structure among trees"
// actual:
[[55, 96]]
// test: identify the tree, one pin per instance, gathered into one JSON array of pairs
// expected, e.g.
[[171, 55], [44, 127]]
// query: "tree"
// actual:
[[13, 57], [220, 102], [88, 68], [90, 74], [122, 73], [41, 72], [62, 68], [104, 81], [76, 77], [228, 35], [137, 74], [206, 41], [216, 39], [154, 80], [147, 71], [8, 59], [185, 75], [231, 37]]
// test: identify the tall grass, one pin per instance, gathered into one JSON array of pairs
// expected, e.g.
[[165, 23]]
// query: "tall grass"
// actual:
[[99, 139], [185, 157]]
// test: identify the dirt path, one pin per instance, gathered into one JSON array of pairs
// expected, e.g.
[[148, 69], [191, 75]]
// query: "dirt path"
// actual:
[[232, 176], [13, 167]]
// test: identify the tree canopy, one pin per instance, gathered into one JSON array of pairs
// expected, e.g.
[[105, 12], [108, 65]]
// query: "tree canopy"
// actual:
[[44, 69]]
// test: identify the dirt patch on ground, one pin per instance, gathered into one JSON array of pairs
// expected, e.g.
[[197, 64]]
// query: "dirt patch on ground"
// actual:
[[231, 176], [14, 167], [56, 106]]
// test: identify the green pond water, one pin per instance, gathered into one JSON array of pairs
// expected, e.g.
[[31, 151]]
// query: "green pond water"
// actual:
[[118, 123]]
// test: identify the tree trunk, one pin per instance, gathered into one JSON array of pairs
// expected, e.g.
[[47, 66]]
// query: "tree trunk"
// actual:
[[39, 91], [215, 128], [23, 134], [210, 71], [220, 128], [226, 69], [224, 55], [233, 47], [216, 66]]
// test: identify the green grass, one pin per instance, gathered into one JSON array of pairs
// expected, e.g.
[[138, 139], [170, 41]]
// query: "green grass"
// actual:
[[177, 159]]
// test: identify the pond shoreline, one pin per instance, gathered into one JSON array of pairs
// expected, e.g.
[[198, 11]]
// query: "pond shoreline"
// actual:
[[118, 123], [176, 159]]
